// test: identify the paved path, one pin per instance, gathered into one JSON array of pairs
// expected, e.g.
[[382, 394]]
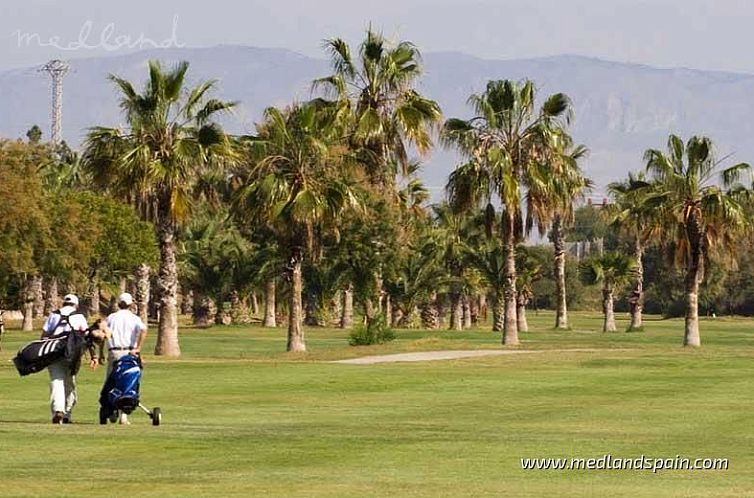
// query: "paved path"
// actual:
[[448, 355]]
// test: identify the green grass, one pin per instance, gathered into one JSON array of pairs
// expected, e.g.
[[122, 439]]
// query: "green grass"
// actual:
[[242, 418]]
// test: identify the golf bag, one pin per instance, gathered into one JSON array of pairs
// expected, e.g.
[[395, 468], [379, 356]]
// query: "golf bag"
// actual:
[[121, 389], [38, 355]]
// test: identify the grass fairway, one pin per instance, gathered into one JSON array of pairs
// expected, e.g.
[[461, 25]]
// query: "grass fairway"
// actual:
[[243, 419]]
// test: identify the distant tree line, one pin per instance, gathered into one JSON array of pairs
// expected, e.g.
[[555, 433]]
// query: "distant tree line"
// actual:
[[318, 217]]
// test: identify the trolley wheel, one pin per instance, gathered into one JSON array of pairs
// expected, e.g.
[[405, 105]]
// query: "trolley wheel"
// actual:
[[102, 416], [156, 416]]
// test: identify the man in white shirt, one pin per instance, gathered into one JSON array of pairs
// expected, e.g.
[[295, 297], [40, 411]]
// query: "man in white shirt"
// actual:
[[128, 335], [62, 379]]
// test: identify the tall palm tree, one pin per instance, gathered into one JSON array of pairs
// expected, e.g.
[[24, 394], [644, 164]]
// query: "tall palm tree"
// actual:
[[513, 152], [374, 86], [298, 184], [629, 212], [376, 89], [171, 138], [613, 270], [568, 185], [700, 210]]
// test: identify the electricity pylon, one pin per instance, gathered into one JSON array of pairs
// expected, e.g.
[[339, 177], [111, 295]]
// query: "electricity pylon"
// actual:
[[57, 69]]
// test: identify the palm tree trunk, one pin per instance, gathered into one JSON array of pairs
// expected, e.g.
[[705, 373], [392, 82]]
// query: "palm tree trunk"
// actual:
[[269, 304], [607, 308], [222, 316], [693, 277], [39, 297], [93, 298], [523, 324], [295, 326], [311, 316], [142, 292], [239, 312], [254, 304], [380, 291], [558, 242], [398, 317], [498, 311], [204, 309], [346, 318], [167, 283], [483, 308], [510, 324], [442, 312], [429, 313], [27, 306], [52, 299], [456, 311], [474, 310], [187, 302], [466, 304], [637, 295], [335, 309], [369, 309]]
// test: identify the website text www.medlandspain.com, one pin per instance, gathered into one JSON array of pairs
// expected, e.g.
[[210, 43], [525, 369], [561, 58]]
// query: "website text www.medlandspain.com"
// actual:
[[609, 462]]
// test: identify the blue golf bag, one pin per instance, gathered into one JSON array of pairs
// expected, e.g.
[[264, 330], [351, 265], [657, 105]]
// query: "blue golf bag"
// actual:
[[121, 391]]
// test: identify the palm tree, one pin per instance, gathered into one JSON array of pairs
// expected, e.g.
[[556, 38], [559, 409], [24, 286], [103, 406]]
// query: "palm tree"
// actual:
[[448, 234], [171, 139], [374, 87], [529, 271], [569, 184], [488, 258], [376, 90], [513, 152], [268, 259], [214, 260], [418, 277], [700, 210], [613, 270], [323, 279], [298, 184], [629, 212]]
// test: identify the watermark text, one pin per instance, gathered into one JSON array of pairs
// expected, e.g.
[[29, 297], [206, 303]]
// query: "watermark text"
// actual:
[[608, 462], [108, 39]]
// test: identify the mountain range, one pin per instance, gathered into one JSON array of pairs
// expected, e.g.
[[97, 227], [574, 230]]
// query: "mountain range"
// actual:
[[620, 109]]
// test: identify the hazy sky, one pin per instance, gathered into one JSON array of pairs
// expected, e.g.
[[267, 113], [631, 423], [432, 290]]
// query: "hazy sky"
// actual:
[[704, 34]]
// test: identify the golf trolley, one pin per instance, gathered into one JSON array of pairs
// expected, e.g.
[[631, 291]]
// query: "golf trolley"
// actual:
[[120, 393]]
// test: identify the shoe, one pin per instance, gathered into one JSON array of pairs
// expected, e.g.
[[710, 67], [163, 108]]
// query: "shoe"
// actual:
[[113, 417], [123, 420], [57, 418], [67, 419]]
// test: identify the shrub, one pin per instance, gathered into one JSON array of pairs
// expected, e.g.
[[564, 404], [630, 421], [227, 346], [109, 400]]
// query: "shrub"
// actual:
[[375, 332]]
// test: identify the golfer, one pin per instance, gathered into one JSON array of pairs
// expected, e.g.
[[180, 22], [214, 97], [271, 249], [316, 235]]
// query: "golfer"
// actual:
[[62, 372], [128, 334]]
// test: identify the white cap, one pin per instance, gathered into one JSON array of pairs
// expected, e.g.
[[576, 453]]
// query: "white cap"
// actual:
[[71, 300], [126, 299]]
